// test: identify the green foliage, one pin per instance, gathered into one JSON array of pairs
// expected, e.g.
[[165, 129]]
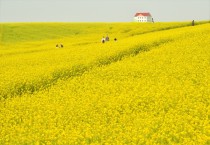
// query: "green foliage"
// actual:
[[22, 32]]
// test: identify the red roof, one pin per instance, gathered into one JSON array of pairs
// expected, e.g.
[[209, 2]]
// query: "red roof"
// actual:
[[142, 14]]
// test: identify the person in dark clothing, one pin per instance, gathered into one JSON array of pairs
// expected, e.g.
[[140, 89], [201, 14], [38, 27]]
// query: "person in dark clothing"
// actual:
[[103, 40], [107, 38], [193, 22], [59, 45]]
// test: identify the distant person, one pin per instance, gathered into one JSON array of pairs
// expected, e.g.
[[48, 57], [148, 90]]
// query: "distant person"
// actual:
[[107, 38], [153, 20], [193, 22], [59, 45], [115, 39], [103, 40]]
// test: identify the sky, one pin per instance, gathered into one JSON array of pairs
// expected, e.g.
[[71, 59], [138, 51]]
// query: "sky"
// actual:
[[102, 10]]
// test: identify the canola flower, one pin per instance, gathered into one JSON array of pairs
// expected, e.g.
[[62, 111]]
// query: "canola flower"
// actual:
[[127, 96], [31, 66]]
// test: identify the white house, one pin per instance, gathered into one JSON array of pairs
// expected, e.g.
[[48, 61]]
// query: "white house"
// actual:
[[143, 17]]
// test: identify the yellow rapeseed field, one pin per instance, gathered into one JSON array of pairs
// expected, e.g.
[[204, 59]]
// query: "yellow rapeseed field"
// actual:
[[149, 87]]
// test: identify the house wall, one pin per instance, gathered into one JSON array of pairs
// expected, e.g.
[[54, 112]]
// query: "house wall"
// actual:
[[149, 19], [135, 19], [143, 19]]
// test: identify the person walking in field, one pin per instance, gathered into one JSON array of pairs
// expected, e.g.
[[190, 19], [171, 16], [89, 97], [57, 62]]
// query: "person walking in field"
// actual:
[[103, 40], [193, 22], [59, 46], [107, 38]]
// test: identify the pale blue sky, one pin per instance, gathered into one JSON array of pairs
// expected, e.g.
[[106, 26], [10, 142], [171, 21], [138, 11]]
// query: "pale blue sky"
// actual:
[[101, 10]]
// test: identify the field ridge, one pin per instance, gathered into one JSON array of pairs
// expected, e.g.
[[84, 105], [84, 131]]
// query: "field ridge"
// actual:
[[141, 89], [23, 32], [78, 70]]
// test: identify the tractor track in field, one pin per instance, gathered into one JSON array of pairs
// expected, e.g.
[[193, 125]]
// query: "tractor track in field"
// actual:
[[78, 70]]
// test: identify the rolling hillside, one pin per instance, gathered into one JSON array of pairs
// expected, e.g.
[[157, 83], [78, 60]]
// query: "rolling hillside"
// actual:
[[151, 86]]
